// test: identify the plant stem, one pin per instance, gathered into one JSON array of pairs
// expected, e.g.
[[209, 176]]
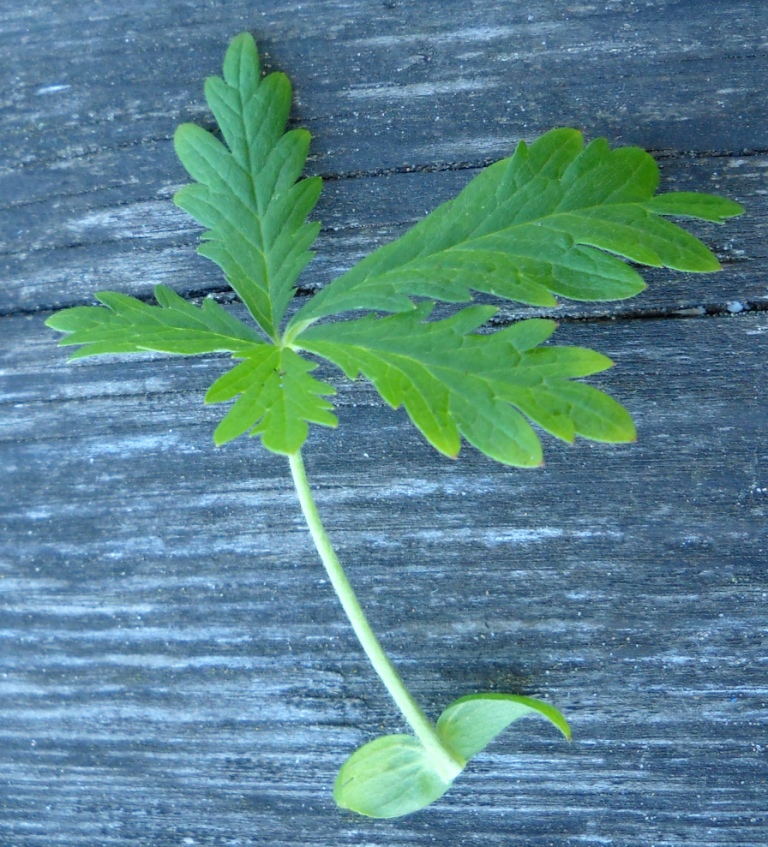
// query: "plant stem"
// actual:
[[447, 762]]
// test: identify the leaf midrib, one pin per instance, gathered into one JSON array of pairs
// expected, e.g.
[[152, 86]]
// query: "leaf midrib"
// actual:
[[467, 245], [257, 211]]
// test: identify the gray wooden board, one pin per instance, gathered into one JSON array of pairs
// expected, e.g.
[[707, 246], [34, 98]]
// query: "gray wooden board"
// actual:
[[424, 81], [88, 164], [174, 668], [175, 665], [127, 239]]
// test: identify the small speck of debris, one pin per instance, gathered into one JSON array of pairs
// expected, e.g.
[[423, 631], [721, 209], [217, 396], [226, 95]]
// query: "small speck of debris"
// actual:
[[734, 307]]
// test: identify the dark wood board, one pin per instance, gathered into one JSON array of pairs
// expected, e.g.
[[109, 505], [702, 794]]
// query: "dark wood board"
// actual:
[[109, 239], [174, 669], [88, 165], [176, 665], [425, 80]]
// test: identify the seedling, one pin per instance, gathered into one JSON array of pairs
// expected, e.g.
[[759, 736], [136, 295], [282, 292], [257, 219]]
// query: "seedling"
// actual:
[[556, 218]]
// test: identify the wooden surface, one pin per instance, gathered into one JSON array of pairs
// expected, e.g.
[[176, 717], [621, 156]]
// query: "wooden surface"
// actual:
[[174, 669]]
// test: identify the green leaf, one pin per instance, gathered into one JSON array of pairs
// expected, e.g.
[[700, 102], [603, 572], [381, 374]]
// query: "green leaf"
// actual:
[[247, 195], [454, 382], [686, 204], [470, 723], [277, 399], [555, 219], [128, 325], [388, 777], [393, 775], [541, 223]]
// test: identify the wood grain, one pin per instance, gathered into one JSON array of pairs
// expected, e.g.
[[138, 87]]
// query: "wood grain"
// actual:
[[89, 166], [96, 241], [172, 637], [174, 669]]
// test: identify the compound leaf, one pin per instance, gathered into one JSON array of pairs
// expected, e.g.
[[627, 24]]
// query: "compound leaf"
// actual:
[[128, 325], [246, 192], [455, 382], [555, 219], [550, 220]]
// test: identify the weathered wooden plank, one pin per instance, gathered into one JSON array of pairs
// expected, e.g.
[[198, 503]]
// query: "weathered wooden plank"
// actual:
[[85, 176], [127, 238], [89, 215], [175, 667], [441, 81]]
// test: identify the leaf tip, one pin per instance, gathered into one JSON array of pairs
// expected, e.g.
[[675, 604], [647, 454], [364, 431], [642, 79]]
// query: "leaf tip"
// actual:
[[220, 436]]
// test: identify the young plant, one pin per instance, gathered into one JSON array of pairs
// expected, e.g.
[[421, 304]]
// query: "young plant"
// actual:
[[556, 218]]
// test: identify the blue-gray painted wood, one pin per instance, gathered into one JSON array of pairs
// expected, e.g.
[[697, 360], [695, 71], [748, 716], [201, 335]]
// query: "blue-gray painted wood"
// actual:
[[174, 669]]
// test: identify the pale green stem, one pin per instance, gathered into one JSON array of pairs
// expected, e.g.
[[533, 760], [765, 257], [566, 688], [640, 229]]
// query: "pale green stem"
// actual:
[[447, 762]]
